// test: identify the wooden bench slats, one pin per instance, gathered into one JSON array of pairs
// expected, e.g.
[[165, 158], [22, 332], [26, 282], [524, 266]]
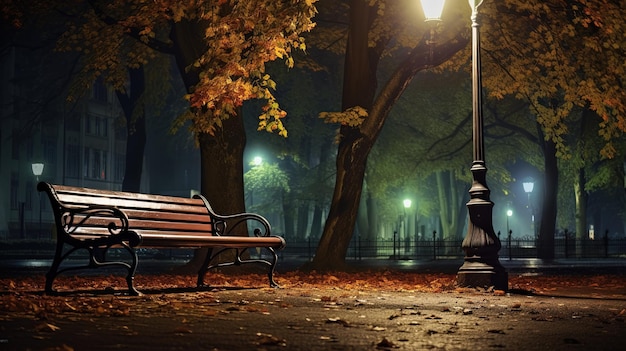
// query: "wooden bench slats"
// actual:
[[78, 200], [60, 190], [160, 216], [137, 224]]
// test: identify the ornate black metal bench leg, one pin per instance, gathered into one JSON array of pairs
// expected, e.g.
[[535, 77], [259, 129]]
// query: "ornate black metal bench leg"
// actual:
[[202, 272], [270, 274], [131, 272], [49, 281], [54, 268]]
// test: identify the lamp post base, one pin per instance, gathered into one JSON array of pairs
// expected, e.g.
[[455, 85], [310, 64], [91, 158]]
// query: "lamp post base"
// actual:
[[482, 272]]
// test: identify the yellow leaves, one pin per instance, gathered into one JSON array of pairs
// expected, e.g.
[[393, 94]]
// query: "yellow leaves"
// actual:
[[270, 119], [353, 116]]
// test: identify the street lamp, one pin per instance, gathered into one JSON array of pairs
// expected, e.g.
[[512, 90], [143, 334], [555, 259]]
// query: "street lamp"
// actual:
[[481, 267], [37, 171], [529, 185]]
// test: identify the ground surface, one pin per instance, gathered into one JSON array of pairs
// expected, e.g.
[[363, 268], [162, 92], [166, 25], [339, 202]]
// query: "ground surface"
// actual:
[[369, 310]]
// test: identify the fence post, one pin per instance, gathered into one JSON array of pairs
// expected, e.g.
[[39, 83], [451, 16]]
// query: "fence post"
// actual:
[[395, 234], [606, 243], [510, 251]]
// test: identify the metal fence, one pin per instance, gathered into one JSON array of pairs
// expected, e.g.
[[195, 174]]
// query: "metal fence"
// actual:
[[446, 249], [564, 247]]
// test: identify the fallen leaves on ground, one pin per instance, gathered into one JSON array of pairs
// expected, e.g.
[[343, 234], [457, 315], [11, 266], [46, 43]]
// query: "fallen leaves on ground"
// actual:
[[24, 294], [175, 297]]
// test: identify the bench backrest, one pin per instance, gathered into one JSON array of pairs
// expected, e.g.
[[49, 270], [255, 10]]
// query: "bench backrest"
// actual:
[[147, 214]]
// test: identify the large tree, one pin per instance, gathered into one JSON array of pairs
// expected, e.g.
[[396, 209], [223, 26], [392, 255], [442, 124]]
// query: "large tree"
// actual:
[[559, 56], [370, 33]]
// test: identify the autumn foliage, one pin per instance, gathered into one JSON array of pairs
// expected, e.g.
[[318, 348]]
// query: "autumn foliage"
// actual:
[[236, 40]]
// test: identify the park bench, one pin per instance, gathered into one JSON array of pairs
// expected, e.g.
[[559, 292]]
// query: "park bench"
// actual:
[[98, 220]]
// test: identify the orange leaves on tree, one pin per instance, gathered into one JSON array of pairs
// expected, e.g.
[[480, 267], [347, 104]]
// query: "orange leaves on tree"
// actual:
[[228, 60]]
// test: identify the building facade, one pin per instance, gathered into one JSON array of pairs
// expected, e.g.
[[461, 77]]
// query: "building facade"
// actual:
[[82, 144]]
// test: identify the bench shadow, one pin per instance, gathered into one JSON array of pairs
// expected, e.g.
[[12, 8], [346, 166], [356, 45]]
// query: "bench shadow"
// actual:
[[124, 292]]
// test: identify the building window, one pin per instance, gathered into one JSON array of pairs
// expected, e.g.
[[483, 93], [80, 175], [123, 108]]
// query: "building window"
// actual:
[[102, 127], [98, 126], [95, 163]]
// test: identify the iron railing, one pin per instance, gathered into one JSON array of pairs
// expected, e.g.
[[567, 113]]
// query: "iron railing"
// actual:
[[445, 249]]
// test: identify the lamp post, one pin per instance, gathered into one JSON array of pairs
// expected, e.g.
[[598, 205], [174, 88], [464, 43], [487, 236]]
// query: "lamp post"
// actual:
[[37, 171], [529, 185], [481, 267]]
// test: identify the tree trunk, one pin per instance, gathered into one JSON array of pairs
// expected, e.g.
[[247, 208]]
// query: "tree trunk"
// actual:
[[351, 162], [221, 176], [221, 154], [545, 245], [581, 211], [359, 88], [135, 116]]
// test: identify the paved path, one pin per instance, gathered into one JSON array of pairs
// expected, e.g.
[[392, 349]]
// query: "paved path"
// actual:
[[319, 319]]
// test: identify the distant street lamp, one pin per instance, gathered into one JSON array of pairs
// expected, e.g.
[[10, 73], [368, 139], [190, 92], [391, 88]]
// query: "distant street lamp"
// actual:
[[529, 185], [481, 267], [37, 171]]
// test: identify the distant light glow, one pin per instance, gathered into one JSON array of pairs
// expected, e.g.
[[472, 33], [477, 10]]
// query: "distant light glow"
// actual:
[[528, 186], [509, 213], [407, 203], [37, 169]]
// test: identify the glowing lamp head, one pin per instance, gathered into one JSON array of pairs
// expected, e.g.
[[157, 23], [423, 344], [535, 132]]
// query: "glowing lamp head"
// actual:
[[433, 9], [407, 203]]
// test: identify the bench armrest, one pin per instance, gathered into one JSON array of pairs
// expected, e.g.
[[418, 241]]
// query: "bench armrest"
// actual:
[[228, 224], [113, 219]]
